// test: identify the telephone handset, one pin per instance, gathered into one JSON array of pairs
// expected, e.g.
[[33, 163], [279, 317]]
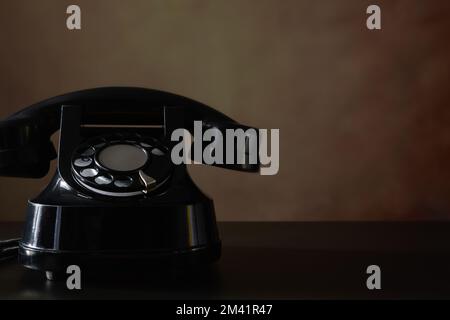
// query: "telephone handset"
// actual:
[[116, 193]]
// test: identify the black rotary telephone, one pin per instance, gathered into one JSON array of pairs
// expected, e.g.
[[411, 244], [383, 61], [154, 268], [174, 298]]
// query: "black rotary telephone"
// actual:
[[116, 196]]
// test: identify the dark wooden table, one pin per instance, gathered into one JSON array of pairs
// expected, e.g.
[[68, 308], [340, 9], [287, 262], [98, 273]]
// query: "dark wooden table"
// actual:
[[279, 260]]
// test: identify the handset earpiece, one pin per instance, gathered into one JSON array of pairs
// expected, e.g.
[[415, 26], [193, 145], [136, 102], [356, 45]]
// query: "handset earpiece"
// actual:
[[240, 146], [241, 153], [25, 146]]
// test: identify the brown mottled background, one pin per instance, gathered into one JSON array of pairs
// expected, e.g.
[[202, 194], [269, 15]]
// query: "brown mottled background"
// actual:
[[364, 116]]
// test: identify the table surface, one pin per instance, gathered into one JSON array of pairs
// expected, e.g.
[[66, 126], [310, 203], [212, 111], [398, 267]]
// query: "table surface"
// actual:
[[276, 260]]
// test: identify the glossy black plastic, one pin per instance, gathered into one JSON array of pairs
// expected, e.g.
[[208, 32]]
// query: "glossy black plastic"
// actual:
[[25, 146], [67, 224]]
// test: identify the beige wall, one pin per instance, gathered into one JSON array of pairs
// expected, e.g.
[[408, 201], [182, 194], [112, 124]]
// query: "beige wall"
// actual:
[[364, 116]]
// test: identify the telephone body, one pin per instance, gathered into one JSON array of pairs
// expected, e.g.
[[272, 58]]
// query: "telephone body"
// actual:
[[116, 196]]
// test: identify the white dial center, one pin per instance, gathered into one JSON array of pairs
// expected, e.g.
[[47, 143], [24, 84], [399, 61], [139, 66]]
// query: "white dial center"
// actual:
[[122, 157]]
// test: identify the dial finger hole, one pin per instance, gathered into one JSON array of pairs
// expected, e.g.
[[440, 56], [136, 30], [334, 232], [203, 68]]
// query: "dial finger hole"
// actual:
[[88, 152], [117, 137], [157, 152], [100, 145], [88, 173], [145, 145], [123, 182], [82, 162], [103, 179]]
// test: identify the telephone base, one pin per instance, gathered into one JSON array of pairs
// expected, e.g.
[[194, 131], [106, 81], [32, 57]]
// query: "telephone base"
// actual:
[[94, 263]]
